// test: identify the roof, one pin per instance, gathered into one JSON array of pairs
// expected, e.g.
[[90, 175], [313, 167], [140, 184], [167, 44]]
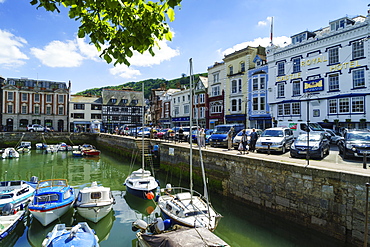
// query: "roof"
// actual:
[[86, 100]]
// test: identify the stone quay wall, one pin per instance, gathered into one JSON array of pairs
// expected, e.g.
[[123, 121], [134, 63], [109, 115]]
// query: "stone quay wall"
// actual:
[[332, 202]]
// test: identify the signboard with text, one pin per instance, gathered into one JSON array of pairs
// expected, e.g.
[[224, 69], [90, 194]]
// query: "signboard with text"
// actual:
[[313, 86]]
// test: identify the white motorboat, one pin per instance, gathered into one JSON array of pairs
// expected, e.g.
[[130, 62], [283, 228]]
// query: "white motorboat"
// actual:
[[41, 145], [95, 202], [10, 153], [10, 217], [78, 235], [17, 192], [24, 147], [52, 199]]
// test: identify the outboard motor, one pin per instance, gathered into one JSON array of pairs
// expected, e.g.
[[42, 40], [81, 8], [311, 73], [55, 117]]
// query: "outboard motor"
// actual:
[[34, 179], [8, 209], [139, 225], [157, 226]]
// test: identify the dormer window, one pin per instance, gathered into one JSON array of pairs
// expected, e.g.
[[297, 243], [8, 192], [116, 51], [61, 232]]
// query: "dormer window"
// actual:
[[299, 38], [242, 67], [258, 63], [341, 23], [231, 71], [124, 101], [113, 100]]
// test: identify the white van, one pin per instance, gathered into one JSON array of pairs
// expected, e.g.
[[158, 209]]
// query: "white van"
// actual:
[[300, 127]]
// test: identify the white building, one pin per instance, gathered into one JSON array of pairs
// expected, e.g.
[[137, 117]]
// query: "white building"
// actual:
[[322, 76], [85, 113], [181, 108]]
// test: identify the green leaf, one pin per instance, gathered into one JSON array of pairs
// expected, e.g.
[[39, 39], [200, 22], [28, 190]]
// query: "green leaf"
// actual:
[[171, 14]]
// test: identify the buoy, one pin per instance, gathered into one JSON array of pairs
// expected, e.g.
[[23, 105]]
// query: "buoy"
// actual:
[[150, 195], [149, 209]]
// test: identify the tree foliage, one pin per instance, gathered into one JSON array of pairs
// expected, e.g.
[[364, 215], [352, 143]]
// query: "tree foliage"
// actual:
[[117, 28]]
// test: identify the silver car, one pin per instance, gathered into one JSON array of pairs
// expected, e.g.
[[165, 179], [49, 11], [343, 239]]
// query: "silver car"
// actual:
[[239, 136], [275, 139]]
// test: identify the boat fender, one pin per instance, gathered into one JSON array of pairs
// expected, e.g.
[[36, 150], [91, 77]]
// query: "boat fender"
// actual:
[[139, 224], [149, 195], [167, 224], [159, 225], [168, 187]]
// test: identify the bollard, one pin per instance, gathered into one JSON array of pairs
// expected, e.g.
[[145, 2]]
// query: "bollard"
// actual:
[[364, 161], [268, 148], [366, 214]]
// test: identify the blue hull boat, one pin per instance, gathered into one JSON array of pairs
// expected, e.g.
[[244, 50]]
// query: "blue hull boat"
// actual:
[[79, 235]]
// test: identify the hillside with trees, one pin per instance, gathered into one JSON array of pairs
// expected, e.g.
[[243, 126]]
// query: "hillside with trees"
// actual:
[[148, 85]]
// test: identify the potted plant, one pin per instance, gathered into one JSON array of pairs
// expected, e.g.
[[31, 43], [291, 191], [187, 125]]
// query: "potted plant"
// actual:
[[326, 120], [336, 121], [363, 120], [348, 120]]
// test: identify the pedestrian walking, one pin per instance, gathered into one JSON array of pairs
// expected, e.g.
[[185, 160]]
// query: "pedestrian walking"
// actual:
[[254, 137], [244, 142], [230, 136], [181, 134]]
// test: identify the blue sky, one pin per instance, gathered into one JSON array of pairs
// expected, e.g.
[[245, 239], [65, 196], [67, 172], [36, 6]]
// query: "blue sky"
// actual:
[[42, 45]]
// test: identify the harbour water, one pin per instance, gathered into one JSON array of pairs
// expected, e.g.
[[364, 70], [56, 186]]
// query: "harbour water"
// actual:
[[240, 226]]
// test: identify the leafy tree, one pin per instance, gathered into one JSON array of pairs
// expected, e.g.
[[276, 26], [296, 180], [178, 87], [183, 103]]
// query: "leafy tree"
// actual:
[[119, 27]]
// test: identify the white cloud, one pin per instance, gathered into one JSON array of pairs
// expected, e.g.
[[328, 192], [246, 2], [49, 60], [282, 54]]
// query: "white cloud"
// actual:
[[89, 51], [59, 54], [124, 71], [265, 22], [10, 53], [279, 41]]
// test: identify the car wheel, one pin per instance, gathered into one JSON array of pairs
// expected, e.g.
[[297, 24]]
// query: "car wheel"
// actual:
[[283, 149], [328, 151], [293, 156], [31, 130], [322, 154]]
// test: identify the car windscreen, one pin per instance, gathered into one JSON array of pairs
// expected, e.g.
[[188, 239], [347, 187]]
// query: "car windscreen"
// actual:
[[221, 130], [359, 136], [248, 133], [316, 127], [209, 132], [272, 133], [312, 138]]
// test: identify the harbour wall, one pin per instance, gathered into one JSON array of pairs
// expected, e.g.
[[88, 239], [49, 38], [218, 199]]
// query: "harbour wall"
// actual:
[[330, 202]]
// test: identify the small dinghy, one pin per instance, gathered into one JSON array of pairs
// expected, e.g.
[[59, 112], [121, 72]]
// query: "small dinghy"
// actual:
[[10, 218], [79, 235]]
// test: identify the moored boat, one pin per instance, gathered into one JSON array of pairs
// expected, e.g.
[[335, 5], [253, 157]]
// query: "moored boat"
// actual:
[[41, 145], [10, 217], [52, 199], [10, 153], [89, 150], [64, 147], [17, 192], [95, 202], [141, 183], [78, 235]]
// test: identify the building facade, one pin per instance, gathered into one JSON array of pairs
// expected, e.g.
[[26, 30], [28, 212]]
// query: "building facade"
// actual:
[[26, 101], [322, 76], [85, 113], [181, 108], [200, 102]]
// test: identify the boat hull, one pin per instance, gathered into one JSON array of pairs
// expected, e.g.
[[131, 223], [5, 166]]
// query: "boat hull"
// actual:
[[10, 222], [140, 193], [94, 213], [45, 217]]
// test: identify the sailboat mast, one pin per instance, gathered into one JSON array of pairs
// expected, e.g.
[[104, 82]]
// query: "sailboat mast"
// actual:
[[142, 132], [191, 124]]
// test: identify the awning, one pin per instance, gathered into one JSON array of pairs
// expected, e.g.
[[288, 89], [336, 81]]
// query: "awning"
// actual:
[[81, 122]]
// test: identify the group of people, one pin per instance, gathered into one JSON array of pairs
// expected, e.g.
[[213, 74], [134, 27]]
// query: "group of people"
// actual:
[[245, 145]]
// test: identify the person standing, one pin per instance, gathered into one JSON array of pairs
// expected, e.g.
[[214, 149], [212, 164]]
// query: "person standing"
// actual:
[[181, 134], [254, 137], [202, 139], [244, 142], [230, 136]]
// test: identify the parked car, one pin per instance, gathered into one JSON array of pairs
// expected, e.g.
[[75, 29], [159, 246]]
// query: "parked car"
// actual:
[[162, 133], [36, 128], [239, 136], [219, 135], [186, 132], [145, 131], [315, 143], [355, 143], [194, 135], [275, 139], [332, 136]]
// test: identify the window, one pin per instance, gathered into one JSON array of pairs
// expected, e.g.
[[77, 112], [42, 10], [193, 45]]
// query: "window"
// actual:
[[358, 49], [358, 104], [60, 110], [296, 88], [24, 109], [24, 97], [202, 112], [186, 109], [281, 68], [332, 106], [262, 82], [255, 104], [240, 85], [281, 90], [280, 110], [216, 107], [48, 98], [79, 106], [78, 115], [48, 110], [287, 109], [37, 97], [23, 123], [242, 67], [10, 96], [344, 105], [215, 90], [201, 98], [60, 98], [334, 55], [113, 100], [183, 98], [296, 108], [296, 65], [337, 24], [262, 103], [333, 82], [216, 77], [234, 86], [231, 70], [234, 105], [37, 109], [95, 116], [255, 84], [174, 100], [240, 105], [358, 78], [10, 108]]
